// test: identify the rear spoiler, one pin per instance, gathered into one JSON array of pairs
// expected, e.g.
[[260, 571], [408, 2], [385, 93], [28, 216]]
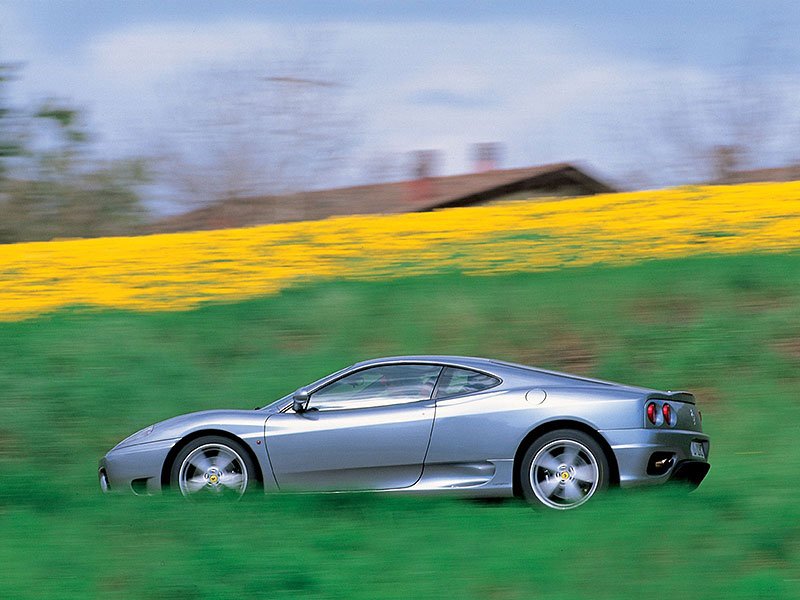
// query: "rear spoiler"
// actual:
[[675, 396]]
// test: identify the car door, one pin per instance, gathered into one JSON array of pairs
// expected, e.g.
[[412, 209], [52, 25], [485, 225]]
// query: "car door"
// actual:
[[369, 429]]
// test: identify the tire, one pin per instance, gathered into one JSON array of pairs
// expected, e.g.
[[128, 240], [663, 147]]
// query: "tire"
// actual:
[[213, 467], [563, 469]]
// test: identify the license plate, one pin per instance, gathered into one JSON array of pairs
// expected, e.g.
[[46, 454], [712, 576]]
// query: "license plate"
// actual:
[[698, 450]]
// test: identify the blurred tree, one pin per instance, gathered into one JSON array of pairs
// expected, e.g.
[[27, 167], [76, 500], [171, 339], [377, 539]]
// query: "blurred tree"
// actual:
[[704, 127], [277, 129], [383, 166], [51, 186], [11, 142]]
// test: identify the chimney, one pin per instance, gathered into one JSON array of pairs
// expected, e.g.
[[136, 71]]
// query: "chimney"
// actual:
[[727, 161], [424, 164], [486, 156]]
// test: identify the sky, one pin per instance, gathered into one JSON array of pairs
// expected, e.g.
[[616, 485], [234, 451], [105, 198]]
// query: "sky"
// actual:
[[551, 81]]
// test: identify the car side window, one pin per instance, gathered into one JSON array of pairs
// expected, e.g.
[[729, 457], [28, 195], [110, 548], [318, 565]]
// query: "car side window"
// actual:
[[378, 386], [456, 382]]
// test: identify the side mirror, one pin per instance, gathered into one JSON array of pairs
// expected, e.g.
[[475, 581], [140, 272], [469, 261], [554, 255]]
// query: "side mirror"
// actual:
[[300, 400]]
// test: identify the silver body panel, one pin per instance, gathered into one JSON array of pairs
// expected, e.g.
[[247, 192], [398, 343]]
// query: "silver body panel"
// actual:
[[372, 448], [463, 444]]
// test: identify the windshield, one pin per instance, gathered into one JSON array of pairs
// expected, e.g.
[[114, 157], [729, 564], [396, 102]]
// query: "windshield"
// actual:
[[314, 384]]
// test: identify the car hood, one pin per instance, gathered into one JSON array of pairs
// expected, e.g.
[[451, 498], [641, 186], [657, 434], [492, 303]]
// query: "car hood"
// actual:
[[177, 427]]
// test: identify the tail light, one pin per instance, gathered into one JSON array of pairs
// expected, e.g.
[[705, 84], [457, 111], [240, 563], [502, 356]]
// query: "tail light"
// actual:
[[661, 414], [652, 413]]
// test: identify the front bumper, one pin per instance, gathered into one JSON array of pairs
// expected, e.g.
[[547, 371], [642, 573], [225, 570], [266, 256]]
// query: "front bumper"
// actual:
[[636, 451], [136, 468]]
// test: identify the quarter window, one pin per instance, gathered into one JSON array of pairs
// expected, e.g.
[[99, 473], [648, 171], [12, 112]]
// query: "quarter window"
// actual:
[[456, 382], [378, 386]]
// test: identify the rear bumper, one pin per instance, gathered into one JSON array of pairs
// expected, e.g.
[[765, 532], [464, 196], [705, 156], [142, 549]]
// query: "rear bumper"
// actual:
[[655, 456], [691, 472]]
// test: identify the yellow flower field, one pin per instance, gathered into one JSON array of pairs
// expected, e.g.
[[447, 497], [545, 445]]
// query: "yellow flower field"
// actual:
[[179, 271]]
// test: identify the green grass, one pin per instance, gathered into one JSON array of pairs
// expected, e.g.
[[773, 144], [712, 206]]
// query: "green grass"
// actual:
[[73, 384]]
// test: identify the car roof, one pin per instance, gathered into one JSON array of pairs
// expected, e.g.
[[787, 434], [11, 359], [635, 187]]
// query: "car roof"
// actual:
[[496, 367], [455, 361]]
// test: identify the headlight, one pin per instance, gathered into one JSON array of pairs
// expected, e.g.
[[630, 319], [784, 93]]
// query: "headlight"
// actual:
[[142, 433]]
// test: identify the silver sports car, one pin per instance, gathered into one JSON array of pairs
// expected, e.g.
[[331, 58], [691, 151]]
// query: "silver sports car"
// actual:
[[451, 424]]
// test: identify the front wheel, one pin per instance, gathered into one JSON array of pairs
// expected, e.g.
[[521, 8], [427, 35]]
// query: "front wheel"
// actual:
[[212, 466], [563, 469]]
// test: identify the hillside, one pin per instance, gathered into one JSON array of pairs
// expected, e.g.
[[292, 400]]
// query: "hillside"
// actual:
[[692, 288], [184, 270]]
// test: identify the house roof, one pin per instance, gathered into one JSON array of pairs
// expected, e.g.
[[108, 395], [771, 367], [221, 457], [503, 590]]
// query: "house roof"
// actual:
[[396, 197], [787, 173]]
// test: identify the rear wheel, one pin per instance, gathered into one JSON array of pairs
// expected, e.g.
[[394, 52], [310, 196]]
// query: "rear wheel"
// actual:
[[563, 469], [214, 467]]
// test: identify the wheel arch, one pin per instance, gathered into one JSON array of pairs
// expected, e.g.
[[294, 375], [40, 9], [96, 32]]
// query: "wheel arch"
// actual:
[[549, 426], [173, 452]]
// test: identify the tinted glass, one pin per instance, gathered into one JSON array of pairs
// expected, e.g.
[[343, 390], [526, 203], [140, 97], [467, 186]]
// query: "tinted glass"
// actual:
[[378, 386], [456, 382]]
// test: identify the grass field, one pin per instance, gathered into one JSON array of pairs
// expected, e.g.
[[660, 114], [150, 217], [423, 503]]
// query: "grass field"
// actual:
[[727, 327]]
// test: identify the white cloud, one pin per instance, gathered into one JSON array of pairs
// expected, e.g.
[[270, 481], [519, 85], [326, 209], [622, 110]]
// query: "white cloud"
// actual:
[[147, 54]]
